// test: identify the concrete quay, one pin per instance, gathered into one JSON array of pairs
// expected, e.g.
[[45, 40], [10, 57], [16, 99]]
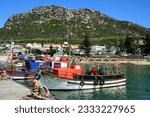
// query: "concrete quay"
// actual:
[[11, 90]]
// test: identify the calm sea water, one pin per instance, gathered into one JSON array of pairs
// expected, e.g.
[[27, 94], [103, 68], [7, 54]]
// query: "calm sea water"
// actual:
[[137, 88]]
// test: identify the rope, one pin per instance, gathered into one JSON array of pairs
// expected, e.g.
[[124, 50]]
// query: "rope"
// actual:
[[43, 93]]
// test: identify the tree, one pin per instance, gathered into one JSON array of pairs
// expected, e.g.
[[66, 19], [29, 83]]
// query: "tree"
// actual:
[[129, 45], [120, 45], [147, 44], [42, 44], [86, 45], [37, 51], [51, 52], [51, 47]]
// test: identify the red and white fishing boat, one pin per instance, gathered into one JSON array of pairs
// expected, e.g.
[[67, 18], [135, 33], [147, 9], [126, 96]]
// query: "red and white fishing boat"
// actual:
[[61, 77]]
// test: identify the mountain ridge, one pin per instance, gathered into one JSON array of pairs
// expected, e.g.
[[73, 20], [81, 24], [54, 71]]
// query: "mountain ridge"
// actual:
[[55, 21]]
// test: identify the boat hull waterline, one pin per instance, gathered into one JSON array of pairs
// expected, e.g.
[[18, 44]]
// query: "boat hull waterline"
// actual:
[[55, 83]]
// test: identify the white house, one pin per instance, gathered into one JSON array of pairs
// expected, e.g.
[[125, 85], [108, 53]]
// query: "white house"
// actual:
[[98, 49], [18, 49]]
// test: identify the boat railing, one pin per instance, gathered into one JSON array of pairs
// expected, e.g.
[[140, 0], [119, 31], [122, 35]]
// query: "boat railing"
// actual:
[[97, 77]]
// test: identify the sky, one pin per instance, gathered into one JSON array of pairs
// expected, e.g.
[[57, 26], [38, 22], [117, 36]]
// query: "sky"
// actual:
[[136, 11]]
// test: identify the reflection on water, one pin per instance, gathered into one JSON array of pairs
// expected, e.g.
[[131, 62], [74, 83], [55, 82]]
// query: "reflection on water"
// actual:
[[138, 82], [137, 88], [103, 94]]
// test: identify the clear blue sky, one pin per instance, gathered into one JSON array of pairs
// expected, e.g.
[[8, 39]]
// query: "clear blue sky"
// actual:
[[136, 11]]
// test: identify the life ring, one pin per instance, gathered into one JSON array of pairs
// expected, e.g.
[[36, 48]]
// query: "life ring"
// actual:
[[82, 83], [96, 82], [46, 91], [102, 81]]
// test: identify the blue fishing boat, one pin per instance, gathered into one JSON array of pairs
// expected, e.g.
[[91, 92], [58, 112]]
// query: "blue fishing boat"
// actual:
[[21, 69]]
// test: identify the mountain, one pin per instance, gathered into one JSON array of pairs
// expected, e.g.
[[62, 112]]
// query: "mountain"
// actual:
[[58, 22]]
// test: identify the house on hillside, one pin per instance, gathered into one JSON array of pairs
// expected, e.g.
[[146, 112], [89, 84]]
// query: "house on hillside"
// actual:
[[96, 49]]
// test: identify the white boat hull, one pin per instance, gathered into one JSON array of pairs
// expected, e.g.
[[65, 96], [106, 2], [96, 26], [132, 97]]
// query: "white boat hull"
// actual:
[[54, 83]]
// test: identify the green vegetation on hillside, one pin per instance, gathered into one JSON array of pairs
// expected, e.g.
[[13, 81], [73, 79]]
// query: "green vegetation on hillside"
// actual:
[[50, 24]]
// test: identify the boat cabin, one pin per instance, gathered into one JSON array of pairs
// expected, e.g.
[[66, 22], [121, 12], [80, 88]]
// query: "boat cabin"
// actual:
[[57, 64], [68, 72]]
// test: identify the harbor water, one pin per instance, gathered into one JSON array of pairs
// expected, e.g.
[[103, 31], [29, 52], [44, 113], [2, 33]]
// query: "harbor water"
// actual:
[[137, 88]]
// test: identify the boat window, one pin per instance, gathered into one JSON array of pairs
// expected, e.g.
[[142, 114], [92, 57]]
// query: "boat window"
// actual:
[[18, 68], [57, 65], [77, 67]]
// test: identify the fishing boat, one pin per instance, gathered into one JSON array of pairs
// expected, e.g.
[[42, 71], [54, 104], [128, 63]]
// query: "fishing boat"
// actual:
[[63, 75], [20, 70], [23, 67], [73, 78]]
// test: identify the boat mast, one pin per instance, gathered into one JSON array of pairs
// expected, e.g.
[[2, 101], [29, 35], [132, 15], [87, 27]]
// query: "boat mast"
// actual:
[[68, 46], [11, 54]]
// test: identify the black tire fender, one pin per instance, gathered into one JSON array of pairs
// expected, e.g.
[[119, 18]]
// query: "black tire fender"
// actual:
[[95, 82], [102, 81], [82, 83]]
